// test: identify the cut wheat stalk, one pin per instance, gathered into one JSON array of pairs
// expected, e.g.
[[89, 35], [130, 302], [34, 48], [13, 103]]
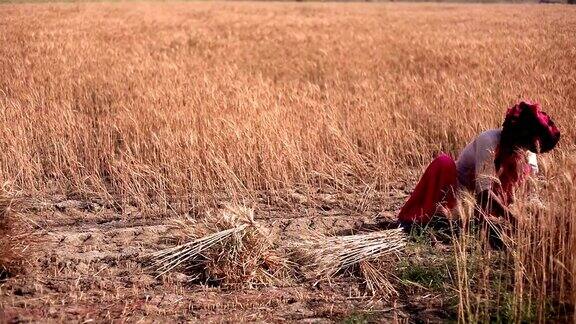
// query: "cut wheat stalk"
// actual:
[[228, 247], [168, 259], [375, 281], [325, 256]]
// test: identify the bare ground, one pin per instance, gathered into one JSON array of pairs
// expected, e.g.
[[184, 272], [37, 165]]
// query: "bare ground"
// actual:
[[88, 262]]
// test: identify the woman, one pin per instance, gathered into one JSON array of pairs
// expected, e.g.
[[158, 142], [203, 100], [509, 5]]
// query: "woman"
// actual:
[[491, 166]]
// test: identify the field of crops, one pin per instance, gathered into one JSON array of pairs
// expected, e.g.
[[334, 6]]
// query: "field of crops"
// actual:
[[120, 120]]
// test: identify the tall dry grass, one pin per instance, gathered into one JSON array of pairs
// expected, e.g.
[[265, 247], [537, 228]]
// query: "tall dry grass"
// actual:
[[163, 103], [533, 279]]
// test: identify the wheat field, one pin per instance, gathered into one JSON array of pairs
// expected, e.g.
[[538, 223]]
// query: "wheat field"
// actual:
[[173, 107]]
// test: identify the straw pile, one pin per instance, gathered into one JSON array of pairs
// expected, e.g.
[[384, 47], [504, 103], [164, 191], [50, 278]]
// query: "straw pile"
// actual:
[[230, 248], [227, 248], [322, 257]]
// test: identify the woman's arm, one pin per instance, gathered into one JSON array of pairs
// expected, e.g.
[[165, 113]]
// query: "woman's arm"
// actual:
[[491, 204]]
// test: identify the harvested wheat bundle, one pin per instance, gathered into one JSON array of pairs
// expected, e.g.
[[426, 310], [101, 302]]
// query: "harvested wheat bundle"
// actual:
[[229, 248], [323, 256]]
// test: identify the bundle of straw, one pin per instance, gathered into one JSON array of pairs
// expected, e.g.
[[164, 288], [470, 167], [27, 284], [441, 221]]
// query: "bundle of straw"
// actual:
[[168, 259], [229, 248], [323, 256]]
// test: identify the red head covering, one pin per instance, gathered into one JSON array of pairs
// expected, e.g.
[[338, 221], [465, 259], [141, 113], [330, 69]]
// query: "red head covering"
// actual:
[[525, 126], [528, 119]]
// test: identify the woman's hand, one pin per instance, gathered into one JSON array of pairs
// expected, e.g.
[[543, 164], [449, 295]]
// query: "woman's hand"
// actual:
[[491, 204]]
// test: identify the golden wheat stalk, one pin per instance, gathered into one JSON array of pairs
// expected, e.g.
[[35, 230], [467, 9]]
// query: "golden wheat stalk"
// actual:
[[325, 256]]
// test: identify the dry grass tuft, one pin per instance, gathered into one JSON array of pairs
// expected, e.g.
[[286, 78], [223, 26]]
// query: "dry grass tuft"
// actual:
[[10, 242], [518, 281], [228, 248]]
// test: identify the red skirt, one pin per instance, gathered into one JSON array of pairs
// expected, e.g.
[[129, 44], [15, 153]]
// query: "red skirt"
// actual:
[[436, 188]]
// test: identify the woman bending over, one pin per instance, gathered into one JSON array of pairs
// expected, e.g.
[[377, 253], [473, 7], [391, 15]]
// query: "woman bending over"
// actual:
[[491, 167]]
